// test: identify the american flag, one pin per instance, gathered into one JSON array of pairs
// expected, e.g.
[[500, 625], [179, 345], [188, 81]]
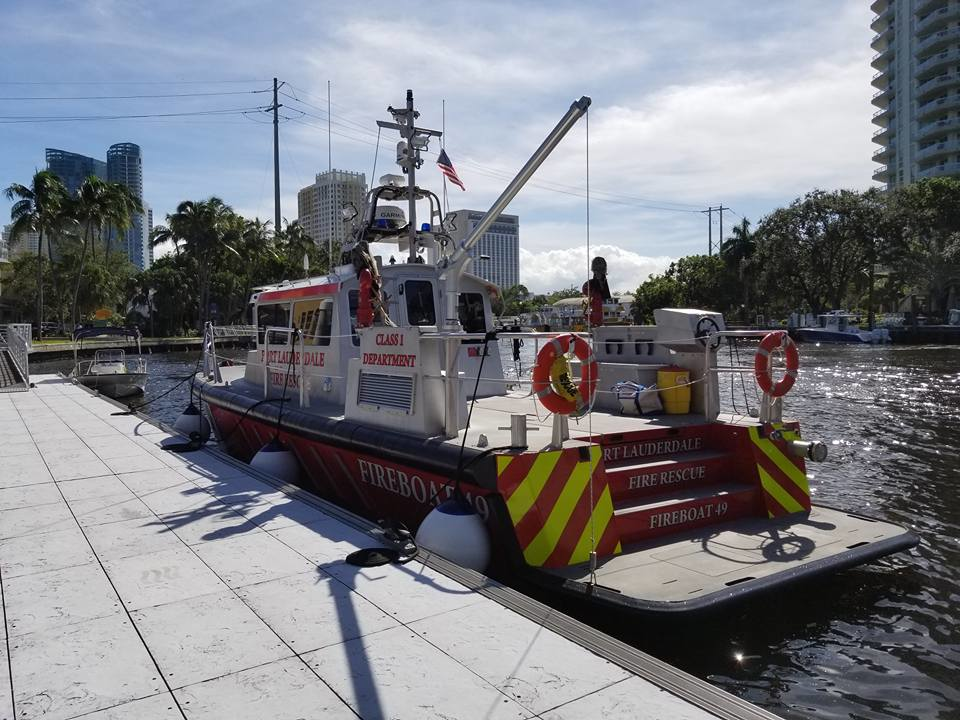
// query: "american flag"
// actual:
[[446, 167]]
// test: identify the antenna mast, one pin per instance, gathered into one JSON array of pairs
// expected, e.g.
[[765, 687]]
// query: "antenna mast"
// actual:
[[333, 209], [414, 140]]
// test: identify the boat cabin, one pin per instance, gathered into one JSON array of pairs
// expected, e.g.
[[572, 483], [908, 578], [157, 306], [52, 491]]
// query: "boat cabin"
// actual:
[[307, 331]]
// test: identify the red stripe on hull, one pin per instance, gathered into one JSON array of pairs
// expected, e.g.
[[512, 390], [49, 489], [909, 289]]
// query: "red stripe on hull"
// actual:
[[359, 481]]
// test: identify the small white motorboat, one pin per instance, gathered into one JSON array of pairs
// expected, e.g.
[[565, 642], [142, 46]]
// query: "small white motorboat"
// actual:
[[110, 372]]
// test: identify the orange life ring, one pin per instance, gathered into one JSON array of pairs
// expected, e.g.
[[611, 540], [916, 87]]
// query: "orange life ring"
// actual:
[[777, 340], [552, 383]]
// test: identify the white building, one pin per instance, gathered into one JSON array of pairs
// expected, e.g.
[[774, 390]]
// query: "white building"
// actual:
[[319, 205], [497, 254], [918, 89], [569, 312]]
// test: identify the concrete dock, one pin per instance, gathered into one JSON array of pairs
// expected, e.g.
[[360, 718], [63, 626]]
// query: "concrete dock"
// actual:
[[143, 583]]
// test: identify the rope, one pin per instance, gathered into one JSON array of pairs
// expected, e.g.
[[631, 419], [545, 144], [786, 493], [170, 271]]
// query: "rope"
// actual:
[[593, 529], [376, 152]]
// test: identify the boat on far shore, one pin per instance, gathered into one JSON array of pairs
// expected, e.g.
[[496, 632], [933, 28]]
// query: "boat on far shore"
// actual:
[[839, 326], [110, 372]]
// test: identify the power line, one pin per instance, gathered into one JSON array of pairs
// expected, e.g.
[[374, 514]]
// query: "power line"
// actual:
[[132, 82], [13, 119], [498, 173], [136, 97]]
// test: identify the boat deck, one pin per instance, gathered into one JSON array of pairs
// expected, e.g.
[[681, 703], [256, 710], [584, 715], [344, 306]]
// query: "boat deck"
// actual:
[[143, 583], [688, 570], [491, 417]]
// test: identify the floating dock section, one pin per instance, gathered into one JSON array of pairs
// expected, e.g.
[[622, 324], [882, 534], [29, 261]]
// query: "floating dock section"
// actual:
[[143, 583]]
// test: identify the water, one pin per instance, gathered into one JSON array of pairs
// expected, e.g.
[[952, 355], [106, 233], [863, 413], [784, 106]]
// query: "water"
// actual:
[[876, 642]]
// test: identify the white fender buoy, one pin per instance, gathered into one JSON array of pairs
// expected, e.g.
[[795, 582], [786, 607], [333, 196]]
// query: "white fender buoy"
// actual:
[[276, 459], [192, 421], [454, 530]]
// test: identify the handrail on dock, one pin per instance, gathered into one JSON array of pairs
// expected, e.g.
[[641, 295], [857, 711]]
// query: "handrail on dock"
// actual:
[[17, 347]]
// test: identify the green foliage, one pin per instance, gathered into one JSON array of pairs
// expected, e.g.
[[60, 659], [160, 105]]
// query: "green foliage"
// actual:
[[38, 208], [812, 251], [928, 242], [824, 251], [697, 281], [513, 301], [570, 292]]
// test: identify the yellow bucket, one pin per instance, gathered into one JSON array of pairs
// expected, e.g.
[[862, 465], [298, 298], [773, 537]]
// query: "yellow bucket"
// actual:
[[675, 389]]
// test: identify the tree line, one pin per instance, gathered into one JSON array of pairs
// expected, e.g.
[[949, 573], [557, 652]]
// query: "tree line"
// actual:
[[218, 258], [825, 251]]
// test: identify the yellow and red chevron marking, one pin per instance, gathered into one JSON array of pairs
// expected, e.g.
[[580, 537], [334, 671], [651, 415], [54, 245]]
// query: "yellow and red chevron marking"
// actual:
[[783, 476], [548, 497]]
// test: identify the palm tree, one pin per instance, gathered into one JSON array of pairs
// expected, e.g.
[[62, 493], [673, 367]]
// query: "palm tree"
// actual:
[[37, 209], [122, 206], [736, 252], [202, 231], [90, 207], [740, 245]]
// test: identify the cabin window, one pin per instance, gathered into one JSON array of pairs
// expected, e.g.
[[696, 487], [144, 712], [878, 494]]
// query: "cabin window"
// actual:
[[470, 310], [420, 308], [275, 315], [315, 318], [353, 297]]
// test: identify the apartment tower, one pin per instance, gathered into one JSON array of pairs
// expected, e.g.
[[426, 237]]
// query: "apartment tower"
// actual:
[[125, 166], [319, 205], [917, 60], [497, 253]]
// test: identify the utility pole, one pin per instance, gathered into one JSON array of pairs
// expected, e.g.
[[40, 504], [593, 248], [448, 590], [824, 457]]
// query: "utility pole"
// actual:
[[709, 213], [333, 209], [276, 157], [720, 244]]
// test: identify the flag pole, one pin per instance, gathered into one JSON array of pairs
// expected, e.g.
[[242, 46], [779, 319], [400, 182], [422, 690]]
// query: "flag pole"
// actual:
[[443, 146]]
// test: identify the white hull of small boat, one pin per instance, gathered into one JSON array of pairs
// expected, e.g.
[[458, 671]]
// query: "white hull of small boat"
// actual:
[[116, 385]]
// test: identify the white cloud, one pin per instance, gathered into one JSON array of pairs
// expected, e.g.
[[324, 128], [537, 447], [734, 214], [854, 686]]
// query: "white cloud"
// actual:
[[749, 104], [550, 270]]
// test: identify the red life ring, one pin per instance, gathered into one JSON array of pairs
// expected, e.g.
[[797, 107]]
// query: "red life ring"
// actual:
[[777, 340], [552, 382]]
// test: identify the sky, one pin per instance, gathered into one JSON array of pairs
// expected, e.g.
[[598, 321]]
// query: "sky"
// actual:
[[695, 104]]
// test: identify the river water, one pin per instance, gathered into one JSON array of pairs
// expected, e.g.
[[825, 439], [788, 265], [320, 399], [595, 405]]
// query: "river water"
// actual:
[[876, 642]]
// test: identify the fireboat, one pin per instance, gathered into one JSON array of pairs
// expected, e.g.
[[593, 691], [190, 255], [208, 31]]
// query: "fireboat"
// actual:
[[611, 474]]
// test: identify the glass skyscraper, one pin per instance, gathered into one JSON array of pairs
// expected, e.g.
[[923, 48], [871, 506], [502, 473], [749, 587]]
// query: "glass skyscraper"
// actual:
[[74, 168], [125, 166]]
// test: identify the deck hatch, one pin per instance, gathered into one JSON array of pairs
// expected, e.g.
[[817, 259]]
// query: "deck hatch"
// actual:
[[386, 391]]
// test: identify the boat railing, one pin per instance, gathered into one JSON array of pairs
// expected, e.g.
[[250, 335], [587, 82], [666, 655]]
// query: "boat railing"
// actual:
[[234, 331], [771, 409], [211, 365], [294, 336], [17, 346]]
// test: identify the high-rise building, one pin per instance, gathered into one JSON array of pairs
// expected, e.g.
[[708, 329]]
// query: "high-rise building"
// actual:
[[125, 166], [20, 244], [497, 254], [319, 205], [918, 89], [73, 168], [148, 217]]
